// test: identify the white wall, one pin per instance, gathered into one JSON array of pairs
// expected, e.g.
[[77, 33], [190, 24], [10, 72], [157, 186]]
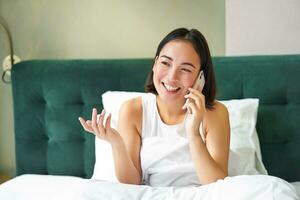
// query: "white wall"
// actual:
[[262, 27]]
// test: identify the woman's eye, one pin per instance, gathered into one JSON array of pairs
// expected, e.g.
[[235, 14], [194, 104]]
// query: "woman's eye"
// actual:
[[165, 63], [186, 70]]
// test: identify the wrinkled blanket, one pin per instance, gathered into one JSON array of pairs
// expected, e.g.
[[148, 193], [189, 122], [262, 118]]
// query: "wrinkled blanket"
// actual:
[[47, 187]]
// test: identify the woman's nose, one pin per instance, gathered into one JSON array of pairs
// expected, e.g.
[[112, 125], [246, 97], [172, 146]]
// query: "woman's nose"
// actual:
[[173, 74]]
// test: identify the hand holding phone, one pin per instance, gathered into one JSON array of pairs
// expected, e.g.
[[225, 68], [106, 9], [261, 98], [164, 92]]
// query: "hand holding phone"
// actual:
[[199, 85]]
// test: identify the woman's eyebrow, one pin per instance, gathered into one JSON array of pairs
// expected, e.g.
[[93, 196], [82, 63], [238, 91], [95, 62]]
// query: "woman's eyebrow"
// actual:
[[184, 63], [190, 64], [167, 57]]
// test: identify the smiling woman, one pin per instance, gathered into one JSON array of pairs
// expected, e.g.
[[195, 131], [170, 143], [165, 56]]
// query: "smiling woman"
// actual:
[[198, 158], [180, 57]]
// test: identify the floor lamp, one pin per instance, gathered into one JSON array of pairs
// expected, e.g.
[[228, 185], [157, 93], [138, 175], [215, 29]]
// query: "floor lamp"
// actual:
[[4, 26]]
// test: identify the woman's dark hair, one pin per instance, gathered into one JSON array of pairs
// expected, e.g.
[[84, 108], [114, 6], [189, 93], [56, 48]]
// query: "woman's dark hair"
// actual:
[[201, 47]]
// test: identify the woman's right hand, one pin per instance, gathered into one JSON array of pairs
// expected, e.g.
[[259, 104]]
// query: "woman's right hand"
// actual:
[[96, 127]]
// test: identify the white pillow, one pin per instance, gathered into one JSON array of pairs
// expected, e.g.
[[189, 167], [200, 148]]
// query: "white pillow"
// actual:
[[244, 156]]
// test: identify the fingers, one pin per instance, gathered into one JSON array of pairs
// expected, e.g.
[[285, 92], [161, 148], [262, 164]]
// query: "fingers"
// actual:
[[191, 108], [108, 120], [101, 128], [101, 118], [96, 125], [89, 122], [195, 102], [195, 95], [86, 125], [185, 104], [94, 117], [94, 121]]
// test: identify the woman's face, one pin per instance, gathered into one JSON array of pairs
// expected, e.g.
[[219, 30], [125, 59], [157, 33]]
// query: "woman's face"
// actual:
[[175, 70]]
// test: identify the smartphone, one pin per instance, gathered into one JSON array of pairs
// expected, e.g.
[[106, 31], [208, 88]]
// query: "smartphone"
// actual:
[[200, 82]]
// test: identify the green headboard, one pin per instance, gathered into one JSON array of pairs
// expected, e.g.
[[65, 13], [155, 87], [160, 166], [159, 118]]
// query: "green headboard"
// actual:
[[49, 95]]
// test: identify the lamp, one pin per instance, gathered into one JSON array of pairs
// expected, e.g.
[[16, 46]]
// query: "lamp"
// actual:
[[11, 49]]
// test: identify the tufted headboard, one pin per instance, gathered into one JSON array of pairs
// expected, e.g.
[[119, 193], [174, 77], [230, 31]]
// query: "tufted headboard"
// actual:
[[49, 95]]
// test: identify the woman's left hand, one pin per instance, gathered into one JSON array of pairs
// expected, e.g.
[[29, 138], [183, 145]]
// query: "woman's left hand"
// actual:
[[196, 110]]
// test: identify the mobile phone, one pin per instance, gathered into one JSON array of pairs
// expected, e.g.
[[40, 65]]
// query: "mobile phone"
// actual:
[[199, 84], [200, 81]]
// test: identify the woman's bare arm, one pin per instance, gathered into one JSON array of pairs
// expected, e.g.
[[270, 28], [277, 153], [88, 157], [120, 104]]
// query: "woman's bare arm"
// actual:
[[125, 143], [211, 158], [129, 125]]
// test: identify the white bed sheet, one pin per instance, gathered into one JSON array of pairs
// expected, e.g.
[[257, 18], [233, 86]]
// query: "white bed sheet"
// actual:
[[36, 187], [297, 186]]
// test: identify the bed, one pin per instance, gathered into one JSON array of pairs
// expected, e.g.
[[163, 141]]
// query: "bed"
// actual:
[[55, 158]]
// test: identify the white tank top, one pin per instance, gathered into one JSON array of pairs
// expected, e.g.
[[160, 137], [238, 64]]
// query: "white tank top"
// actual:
[[165, 155]]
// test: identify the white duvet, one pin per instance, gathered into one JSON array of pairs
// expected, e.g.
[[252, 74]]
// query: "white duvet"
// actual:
[[46, 187]]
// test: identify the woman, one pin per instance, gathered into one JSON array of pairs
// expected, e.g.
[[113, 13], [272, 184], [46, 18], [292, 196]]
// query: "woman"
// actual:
[[152, 123]]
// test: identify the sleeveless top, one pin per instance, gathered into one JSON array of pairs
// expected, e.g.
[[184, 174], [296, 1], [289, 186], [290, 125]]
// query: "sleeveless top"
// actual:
[[165, 155]]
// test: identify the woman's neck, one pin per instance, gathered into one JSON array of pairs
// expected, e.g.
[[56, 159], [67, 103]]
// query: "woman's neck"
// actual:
[[170, 112]]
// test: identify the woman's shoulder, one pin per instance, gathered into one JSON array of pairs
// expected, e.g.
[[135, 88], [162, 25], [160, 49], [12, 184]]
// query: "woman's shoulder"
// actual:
[[132, 106], [219, 108], [131, 111], [219, 113], [216, 122]]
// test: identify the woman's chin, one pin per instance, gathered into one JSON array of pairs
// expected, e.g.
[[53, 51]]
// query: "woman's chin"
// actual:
[[171, 96]]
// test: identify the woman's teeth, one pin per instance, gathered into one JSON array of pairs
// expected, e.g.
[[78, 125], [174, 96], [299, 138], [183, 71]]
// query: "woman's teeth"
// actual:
[[170, 88]]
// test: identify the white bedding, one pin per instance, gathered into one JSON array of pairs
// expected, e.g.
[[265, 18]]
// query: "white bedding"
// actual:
[[297, 186], [36, 187]]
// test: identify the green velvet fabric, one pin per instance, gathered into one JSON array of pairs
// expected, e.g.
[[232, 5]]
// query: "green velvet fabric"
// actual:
[[50, 95]]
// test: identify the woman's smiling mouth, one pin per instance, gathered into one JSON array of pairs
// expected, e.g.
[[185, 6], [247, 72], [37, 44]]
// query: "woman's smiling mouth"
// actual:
[[170, 88]]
